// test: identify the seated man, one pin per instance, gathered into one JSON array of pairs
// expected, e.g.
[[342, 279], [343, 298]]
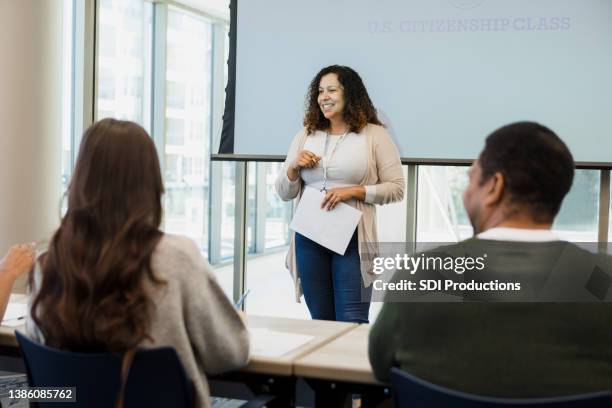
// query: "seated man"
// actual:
[[510, 349]]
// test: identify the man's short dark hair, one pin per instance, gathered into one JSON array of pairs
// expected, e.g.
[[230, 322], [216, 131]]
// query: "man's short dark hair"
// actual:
[[537, 166]]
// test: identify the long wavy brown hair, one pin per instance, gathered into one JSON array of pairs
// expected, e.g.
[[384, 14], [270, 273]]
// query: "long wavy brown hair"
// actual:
[[91, 296], [358, 108]]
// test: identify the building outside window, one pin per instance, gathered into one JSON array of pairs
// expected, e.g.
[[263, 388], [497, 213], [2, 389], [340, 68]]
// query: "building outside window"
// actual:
[[124, 60], [187, 142]]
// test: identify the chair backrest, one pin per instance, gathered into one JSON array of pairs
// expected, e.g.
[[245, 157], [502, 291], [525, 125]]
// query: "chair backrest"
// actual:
[[413, 392], [156, 379]]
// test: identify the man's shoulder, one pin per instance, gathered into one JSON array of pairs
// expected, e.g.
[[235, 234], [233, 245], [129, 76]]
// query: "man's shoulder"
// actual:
[[588, 256], [518, 249]]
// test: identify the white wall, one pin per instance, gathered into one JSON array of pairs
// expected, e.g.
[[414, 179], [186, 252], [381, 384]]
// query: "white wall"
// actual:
[[30, 119]]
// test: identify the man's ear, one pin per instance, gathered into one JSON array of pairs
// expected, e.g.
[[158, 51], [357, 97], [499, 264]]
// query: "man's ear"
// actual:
[[496, 187]]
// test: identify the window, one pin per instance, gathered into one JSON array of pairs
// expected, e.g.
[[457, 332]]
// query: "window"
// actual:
[[108, 48], [579, 215], [67, 94], [183, 107], [221, 249], [106, 84], [228, 209], [610, 223], [124, 60], [278, 212], [268, 228], [175, 133], [441, 216], [176, 93], [189, 43]]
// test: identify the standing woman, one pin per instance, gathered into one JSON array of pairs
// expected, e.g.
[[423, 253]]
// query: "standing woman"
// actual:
[[345, 151], [112, 281]]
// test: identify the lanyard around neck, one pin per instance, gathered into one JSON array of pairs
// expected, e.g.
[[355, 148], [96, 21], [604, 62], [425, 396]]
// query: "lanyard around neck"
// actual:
[[329, 157]]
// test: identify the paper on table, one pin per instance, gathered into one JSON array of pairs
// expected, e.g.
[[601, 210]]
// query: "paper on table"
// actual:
[[331, 229], [15, 311], [268, 343], [13, 323]]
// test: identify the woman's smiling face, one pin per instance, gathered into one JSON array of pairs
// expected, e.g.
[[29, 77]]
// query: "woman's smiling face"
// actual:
[[331, 96]]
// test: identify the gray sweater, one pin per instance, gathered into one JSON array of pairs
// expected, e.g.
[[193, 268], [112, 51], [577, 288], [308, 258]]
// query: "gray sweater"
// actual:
[[192, 314]]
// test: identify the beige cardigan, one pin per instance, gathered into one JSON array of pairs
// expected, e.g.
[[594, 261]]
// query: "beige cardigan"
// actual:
[[384, 170]]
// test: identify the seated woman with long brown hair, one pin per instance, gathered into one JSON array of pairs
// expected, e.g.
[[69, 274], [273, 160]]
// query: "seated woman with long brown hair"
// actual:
[[111, 281]]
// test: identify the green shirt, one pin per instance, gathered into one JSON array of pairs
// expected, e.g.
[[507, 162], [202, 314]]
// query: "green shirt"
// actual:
[[506, 349]]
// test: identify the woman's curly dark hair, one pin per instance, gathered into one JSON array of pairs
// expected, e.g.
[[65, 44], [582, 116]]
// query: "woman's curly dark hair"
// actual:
[[358, 108]]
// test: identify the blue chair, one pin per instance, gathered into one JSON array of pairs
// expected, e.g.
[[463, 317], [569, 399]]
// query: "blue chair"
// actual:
[[156, 378], [410, 391]]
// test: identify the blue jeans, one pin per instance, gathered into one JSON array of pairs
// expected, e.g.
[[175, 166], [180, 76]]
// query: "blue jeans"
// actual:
[[332, 283]]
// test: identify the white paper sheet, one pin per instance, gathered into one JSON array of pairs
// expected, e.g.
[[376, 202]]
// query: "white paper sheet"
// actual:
[[269, 343], [13, 323], [15, 311], [331, 229]]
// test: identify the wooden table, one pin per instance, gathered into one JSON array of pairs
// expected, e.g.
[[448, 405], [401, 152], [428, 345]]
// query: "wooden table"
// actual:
[[322, 331], [343, 359], [341, 368], [337, 356], [7, 334], [275, 375]]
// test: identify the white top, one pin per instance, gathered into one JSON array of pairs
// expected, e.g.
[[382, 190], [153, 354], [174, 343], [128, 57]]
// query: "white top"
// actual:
[[519, 235], [348, 164]]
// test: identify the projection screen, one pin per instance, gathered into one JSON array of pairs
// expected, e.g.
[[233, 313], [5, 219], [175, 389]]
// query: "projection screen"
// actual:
[[442, 73]]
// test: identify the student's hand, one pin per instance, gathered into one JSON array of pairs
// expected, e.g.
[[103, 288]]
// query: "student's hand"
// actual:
[[18, 260], [337, 195], [306, 159]]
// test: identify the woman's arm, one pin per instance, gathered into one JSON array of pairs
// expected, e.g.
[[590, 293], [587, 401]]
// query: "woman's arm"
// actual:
[[339, 194], [217, 332], [288, 180], [17, 261], [391, 184]]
